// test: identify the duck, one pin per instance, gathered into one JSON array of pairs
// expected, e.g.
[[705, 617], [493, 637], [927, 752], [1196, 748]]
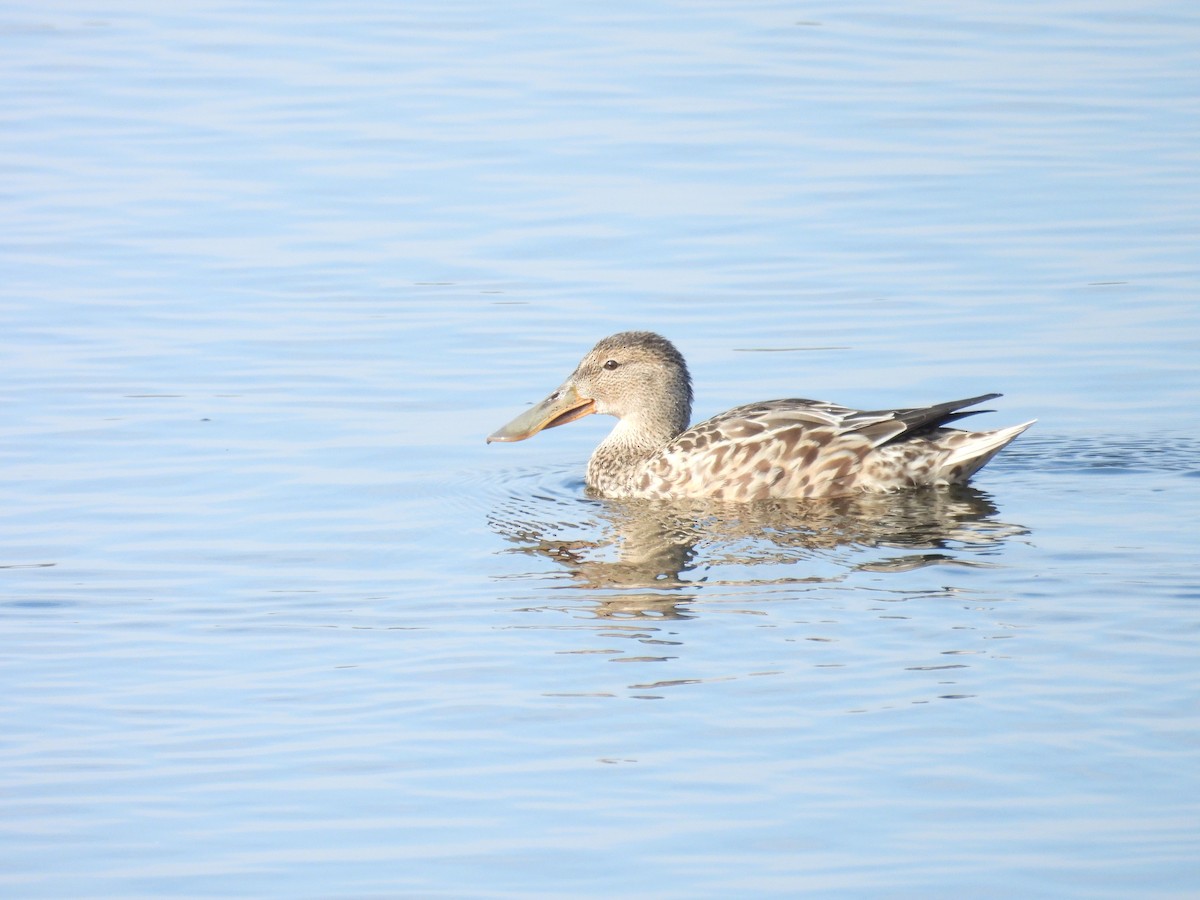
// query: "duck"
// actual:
[[771, 450]]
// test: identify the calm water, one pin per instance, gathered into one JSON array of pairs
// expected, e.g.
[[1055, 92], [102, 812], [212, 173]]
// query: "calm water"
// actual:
[[276, 622]]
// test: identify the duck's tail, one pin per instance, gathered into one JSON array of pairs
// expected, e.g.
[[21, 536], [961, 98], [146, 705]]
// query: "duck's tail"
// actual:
[[973, 452]]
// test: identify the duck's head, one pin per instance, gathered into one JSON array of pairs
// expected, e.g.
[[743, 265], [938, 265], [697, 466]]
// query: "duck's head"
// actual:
[[637, 376]]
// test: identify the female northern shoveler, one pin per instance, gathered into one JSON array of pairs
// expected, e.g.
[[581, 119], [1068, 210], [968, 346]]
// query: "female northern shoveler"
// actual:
[[776, 449]]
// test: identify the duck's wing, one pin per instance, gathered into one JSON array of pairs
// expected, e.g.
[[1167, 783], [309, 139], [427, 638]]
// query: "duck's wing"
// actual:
[[876, 426], [787, 448]]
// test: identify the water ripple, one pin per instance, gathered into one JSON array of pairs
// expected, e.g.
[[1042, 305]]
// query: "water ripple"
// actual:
[[667, 546], [1109, 454]]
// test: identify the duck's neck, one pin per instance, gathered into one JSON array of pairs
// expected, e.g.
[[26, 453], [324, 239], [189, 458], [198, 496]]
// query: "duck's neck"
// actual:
[[617, 464]]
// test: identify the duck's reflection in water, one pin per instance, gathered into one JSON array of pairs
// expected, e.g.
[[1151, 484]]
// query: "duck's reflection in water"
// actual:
[[652, 550]]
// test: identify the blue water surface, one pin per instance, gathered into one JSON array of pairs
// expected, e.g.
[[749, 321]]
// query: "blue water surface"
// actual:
[[278, 623]]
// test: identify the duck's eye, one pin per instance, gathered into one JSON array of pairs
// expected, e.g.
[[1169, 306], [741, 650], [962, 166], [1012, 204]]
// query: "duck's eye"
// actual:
[[611, 364]]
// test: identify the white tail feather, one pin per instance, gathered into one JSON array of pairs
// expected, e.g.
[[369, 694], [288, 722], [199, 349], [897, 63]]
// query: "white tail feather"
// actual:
[[975, 454]]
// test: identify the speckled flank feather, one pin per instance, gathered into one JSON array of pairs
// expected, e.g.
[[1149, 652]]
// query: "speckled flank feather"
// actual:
[[776, 449], [799, 449]]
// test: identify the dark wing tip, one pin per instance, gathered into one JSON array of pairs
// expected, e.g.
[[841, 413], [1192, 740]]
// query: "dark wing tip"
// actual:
[[929, 417]]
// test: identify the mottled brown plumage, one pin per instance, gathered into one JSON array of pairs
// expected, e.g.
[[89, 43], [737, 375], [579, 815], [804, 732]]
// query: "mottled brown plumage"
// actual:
[[775, 449]]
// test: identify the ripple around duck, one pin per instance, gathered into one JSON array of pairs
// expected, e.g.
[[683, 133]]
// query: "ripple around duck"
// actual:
[[1103, 454], [658, 546], [662, 546]]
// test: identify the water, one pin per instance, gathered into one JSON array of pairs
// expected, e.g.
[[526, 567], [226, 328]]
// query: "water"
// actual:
[[278, 623]]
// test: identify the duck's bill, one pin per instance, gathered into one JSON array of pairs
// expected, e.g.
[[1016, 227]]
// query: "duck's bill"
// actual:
[[563, 406]]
